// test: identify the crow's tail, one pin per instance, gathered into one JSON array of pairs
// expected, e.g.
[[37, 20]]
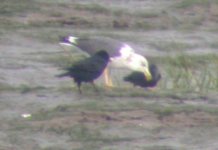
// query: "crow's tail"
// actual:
[[63, 75], [127, 78]]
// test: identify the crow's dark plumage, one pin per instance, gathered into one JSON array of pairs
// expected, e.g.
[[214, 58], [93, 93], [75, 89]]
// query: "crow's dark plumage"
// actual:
[[138, 78], [89, 69]]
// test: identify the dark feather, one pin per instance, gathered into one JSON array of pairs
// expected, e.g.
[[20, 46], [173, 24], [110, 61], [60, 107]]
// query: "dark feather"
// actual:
[[90, 45], [89, 69], [138, 78]]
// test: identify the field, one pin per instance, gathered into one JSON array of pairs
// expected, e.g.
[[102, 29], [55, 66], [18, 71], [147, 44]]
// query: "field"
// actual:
[[179, 36]]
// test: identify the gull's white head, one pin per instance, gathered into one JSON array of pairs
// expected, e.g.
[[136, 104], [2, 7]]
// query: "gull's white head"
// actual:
[[137, 62], [134, 61]]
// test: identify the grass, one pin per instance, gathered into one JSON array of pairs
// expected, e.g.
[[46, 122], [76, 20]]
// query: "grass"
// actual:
[[171, 46], [193, 73], [13, 7], [10, 24], [93, 8], [23, 88], [102, 107], [64, 60], [6, 87], [159, 147], [194, 13], [190, 3], [91, 129], [66, 14], [83, 133]]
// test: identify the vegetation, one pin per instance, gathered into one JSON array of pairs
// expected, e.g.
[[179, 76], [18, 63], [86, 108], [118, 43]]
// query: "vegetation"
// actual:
[[99, 16], [191, 73], [190, 3]]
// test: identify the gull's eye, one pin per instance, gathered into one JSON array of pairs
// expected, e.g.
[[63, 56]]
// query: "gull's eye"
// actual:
[[143, 64]]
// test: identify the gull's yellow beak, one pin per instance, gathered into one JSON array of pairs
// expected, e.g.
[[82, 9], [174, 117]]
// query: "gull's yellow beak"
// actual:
[[148, 74]]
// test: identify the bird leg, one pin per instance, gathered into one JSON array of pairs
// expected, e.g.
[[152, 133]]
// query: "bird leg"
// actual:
[[108, 80], [94, 86], [79, 87]]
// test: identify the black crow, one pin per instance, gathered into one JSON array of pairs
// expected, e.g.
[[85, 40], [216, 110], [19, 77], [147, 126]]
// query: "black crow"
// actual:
[[138, 78], [89, 69]]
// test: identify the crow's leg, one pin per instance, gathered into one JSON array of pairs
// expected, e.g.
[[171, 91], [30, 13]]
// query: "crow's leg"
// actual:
[[92, 82], [79, 87]]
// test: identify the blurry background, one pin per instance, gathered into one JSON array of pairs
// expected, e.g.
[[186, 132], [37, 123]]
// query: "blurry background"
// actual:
[[179, 36]]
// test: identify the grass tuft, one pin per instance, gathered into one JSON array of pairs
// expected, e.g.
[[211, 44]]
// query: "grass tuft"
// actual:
[[190, 3], [190, 73]]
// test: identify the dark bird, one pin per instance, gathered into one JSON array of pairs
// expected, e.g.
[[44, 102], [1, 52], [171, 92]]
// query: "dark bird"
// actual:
[[121, 54], [138, 79], [89, 69]]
